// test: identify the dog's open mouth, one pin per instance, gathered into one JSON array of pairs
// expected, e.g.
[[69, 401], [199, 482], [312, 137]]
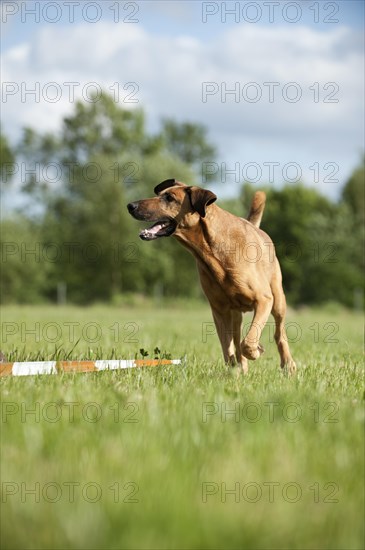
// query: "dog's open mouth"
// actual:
[[162, 228]]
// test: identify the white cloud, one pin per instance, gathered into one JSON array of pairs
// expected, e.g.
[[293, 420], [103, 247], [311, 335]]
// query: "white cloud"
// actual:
[[170, 72]]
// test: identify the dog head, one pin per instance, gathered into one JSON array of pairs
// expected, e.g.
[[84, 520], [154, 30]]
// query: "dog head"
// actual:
[[177, 206]]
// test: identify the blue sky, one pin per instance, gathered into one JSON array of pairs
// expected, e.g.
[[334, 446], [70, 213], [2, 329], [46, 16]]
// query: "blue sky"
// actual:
[[279, 85]]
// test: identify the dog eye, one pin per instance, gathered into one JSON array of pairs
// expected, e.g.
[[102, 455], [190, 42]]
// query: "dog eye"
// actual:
[[169, 198]]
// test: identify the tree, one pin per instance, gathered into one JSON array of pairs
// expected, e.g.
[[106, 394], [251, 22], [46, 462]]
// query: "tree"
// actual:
[[189, 143], [354, 206], [105, 158], [353, 193], [316, 243], [24, 271], [102, 128], [7, 158]]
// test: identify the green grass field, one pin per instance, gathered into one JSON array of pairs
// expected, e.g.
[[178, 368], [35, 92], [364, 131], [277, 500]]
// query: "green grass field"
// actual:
[[181, 457]]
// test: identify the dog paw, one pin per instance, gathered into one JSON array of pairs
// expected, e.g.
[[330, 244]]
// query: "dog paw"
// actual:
[[261, 349], [244, 364], [251, 352], [289, 367]]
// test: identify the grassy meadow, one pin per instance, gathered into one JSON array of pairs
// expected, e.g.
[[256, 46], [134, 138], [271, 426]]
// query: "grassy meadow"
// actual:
[[182, 457]]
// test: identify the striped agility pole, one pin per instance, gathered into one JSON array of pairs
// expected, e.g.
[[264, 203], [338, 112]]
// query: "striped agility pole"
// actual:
[[28, 368]]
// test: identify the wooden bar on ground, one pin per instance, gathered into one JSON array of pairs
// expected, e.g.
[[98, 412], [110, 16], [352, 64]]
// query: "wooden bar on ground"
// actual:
[[27, 368]]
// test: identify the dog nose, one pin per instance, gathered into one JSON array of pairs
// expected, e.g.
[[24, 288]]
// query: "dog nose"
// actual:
[[132, 207]]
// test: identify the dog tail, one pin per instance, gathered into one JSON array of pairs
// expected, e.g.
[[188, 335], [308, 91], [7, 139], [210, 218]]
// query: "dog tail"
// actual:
[[257, 208]]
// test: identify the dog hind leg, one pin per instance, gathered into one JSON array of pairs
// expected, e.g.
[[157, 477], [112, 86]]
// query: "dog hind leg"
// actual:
[[279, 311]]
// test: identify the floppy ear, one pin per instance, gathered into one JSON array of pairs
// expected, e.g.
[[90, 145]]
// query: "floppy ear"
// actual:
[[165, 184], [200, 199]]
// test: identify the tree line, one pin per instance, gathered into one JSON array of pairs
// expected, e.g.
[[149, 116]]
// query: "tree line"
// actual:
[[72, 234]]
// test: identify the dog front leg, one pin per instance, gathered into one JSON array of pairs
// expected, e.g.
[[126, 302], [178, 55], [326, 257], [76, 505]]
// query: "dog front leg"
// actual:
[[224, 326], [250, 345], [236, 317]]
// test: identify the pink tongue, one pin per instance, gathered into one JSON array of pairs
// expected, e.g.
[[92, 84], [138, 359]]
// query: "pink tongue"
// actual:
[[152, 230], [155, 228]]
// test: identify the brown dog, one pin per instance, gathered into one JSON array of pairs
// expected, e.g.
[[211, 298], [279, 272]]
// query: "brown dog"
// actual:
[[236, 261]]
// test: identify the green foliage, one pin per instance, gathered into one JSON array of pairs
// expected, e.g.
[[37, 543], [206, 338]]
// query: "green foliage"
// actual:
[[88, 226], [24, 269], [188, 142], [353, 194], [106, 159], [102, 128], [318, 245], [7, 158]]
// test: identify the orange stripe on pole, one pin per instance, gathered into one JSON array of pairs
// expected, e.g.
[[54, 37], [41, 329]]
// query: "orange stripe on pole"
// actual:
[[151, 362], [6, 369], [76, 366]]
